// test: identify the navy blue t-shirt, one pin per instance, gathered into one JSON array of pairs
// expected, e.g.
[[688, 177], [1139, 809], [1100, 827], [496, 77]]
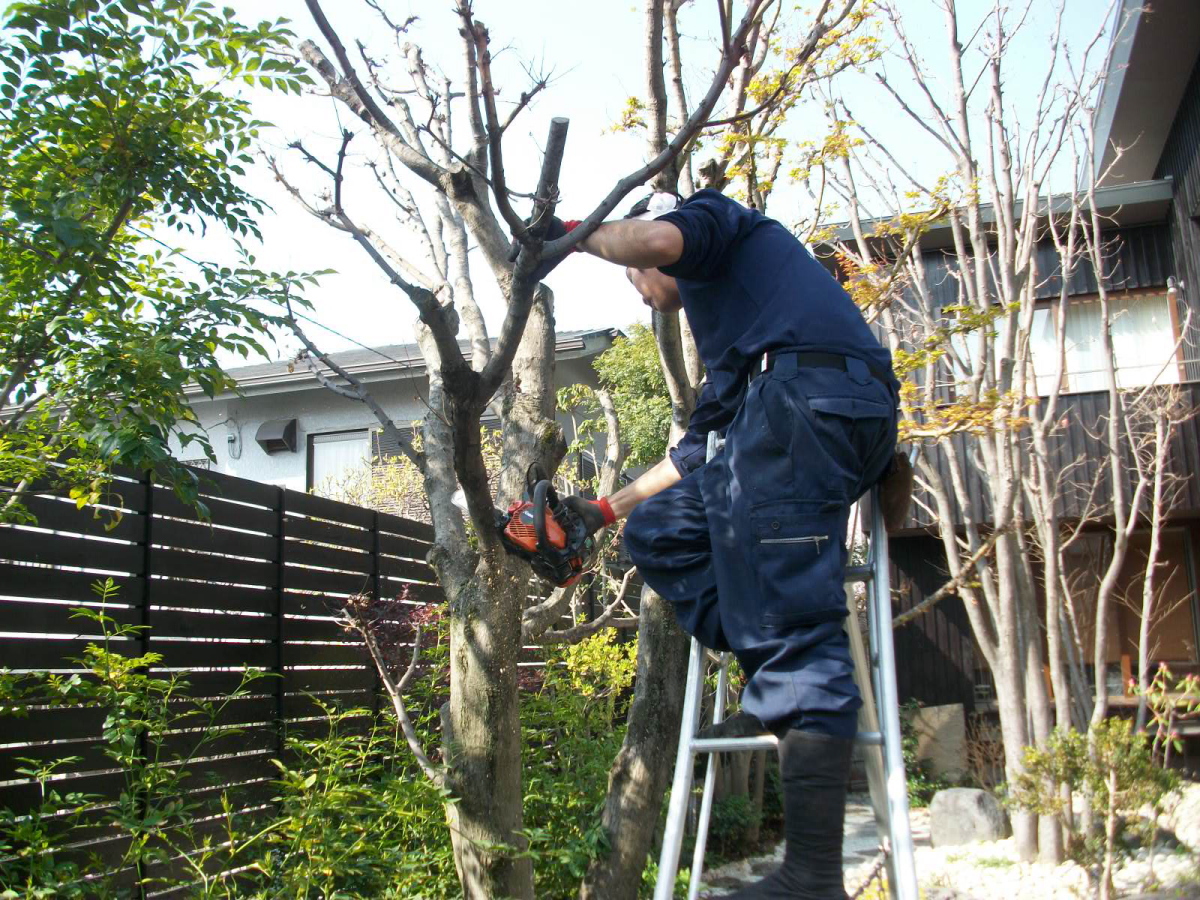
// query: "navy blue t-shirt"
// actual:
[[748, 286]]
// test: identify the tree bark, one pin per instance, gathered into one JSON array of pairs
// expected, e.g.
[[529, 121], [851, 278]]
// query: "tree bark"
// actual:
[[642, 770]]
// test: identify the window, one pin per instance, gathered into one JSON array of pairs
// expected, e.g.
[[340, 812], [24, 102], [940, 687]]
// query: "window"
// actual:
[[332, 457], [1143, 334]]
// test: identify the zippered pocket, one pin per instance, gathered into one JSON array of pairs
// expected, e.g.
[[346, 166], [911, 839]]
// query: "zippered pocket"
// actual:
[[797, 557], [803, 539]]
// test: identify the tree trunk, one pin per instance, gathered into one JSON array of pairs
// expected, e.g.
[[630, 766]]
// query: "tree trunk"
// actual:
[[483, 748], [642, 770]]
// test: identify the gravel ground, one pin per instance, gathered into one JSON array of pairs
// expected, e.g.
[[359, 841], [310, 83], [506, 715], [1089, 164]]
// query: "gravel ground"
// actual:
[[986, 871]]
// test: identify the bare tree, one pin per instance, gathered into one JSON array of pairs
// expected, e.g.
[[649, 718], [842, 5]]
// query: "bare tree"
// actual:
[[411, 126], [971, 400]]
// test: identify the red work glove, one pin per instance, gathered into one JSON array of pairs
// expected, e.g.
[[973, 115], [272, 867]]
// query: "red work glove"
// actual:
[[596, 514]]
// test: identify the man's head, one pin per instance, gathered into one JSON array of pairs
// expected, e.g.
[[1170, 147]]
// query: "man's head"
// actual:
[[658, 291]]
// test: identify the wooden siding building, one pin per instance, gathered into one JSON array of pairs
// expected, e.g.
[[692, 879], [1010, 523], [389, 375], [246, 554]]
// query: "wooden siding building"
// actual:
[[1150, 106]]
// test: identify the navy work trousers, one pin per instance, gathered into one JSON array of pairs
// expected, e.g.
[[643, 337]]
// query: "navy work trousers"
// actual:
[[750, 547]]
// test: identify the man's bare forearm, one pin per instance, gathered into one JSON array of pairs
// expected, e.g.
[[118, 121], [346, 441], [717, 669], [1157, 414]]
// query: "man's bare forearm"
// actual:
[[649, 483], [633, 242]]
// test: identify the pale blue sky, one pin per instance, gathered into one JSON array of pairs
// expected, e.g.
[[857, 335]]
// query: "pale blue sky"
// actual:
[[595, 51]]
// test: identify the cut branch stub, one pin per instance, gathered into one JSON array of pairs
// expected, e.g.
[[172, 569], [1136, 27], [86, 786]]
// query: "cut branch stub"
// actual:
[[521, 296]]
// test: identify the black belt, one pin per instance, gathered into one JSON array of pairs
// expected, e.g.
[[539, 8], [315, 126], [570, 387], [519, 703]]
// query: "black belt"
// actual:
[[813, 359]]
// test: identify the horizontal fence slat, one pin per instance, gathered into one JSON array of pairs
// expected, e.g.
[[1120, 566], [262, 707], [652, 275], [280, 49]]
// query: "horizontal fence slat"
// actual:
[[208, 595], [298, 579], [24, 796], [230, 487], [190, 654], [35, 616], [201, 536], [325, 654], [225, 569], [419, 593], [300, 680], [405, 527], [189, 623], [48, 653], [61, 723], [406, 568], [221, 512], [403, 546], [314, 630], [57, 584], [64, 550], [64, 515], [307, 529], [305, 705], [297, 552], [323, 508]]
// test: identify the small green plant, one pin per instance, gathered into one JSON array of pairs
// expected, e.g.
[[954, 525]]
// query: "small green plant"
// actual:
[[1113, 763]]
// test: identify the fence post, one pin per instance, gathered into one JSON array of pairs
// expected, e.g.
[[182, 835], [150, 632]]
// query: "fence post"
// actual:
[[281, 544], [144, 647], [377, 597]]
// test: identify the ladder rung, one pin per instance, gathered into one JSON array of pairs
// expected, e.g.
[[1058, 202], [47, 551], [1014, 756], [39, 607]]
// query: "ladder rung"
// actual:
[[766, 742], [723, 745], [858, 573]]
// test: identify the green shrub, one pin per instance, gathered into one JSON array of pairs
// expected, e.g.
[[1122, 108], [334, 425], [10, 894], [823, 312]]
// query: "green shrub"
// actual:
[[733, 818], [352, 817]]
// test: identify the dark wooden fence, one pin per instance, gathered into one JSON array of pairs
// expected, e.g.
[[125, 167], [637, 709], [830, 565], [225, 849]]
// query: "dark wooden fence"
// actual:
[[260, 585]]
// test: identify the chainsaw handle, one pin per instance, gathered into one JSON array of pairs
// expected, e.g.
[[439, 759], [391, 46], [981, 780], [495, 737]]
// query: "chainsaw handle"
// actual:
[[540, 492]]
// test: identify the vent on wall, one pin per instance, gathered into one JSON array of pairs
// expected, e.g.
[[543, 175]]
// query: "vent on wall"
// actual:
[[277, 435]]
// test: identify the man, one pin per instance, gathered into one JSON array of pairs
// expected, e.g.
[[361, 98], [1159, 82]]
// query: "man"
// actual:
[[750, 547]]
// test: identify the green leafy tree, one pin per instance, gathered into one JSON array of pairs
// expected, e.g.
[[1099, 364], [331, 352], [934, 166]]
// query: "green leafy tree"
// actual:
[[120, 121], [630, 372]]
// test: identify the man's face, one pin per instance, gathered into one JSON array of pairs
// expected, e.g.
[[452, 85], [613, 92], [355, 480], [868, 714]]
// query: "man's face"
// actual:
[[658, 291]]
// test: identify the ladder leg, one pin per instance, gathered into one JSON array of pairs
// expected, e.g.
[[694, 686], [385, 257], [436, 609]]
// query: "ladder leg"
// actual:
[[710, 785], [904, 882], [681, 786]]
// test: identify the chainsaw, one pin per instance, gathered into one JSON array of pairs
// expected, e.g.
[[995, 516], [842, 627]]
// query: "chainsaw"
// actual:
[[544, 531]]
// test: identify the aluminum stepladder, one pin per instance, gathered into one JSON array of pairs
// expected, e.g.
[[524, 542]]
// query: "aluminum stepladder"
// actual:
[[879, 733]]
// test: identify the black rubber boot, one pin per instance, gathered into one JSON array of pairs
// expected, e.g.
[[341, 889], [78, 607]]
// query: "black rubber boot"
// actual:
[[815, 769], [740, 724]]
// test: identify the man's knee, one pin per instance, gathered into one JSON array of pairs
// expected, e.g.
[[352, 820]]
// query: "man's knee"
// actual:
[[649, 527]]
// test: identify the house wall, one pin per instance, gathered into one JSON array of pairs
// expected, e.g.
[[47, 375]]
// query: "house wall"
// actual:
[[1180, 161], [937, 660], [318, 410]]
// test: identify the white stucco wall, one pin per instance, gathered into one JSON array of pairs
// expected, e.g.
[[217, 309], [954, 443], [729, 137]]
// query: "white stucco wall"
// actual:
[[316, 410]]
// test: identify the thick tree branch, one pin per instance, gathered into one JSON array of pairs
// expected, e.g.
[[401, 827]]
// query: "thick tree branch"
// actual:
[[522, 291], [732, 52]]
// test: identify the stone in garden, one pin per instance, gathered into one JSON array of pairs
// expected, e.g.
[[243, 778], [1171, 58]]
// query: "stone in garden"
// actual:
[[1183, 816], [942, 739], [964, 816]]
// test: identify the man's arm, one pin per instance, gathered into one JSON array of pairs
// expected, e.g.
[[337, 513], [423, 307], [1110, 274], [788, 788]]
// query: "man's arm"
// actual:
[[601, 513], [636, 243], [649, 483]]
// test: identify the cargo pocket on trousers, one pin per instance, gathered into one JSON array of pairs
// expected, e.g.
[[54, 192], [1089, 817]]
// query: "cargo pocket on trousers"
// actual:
[[797, 555]]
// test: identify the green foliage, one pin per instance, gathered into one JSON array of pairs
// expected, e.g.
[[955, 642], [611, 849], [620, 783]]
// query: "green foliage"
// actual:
[[351, 821], [1112, 763], [119, 120], [352, 817], [630, 371], [733, 818], [922, 782], [141, 741]]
